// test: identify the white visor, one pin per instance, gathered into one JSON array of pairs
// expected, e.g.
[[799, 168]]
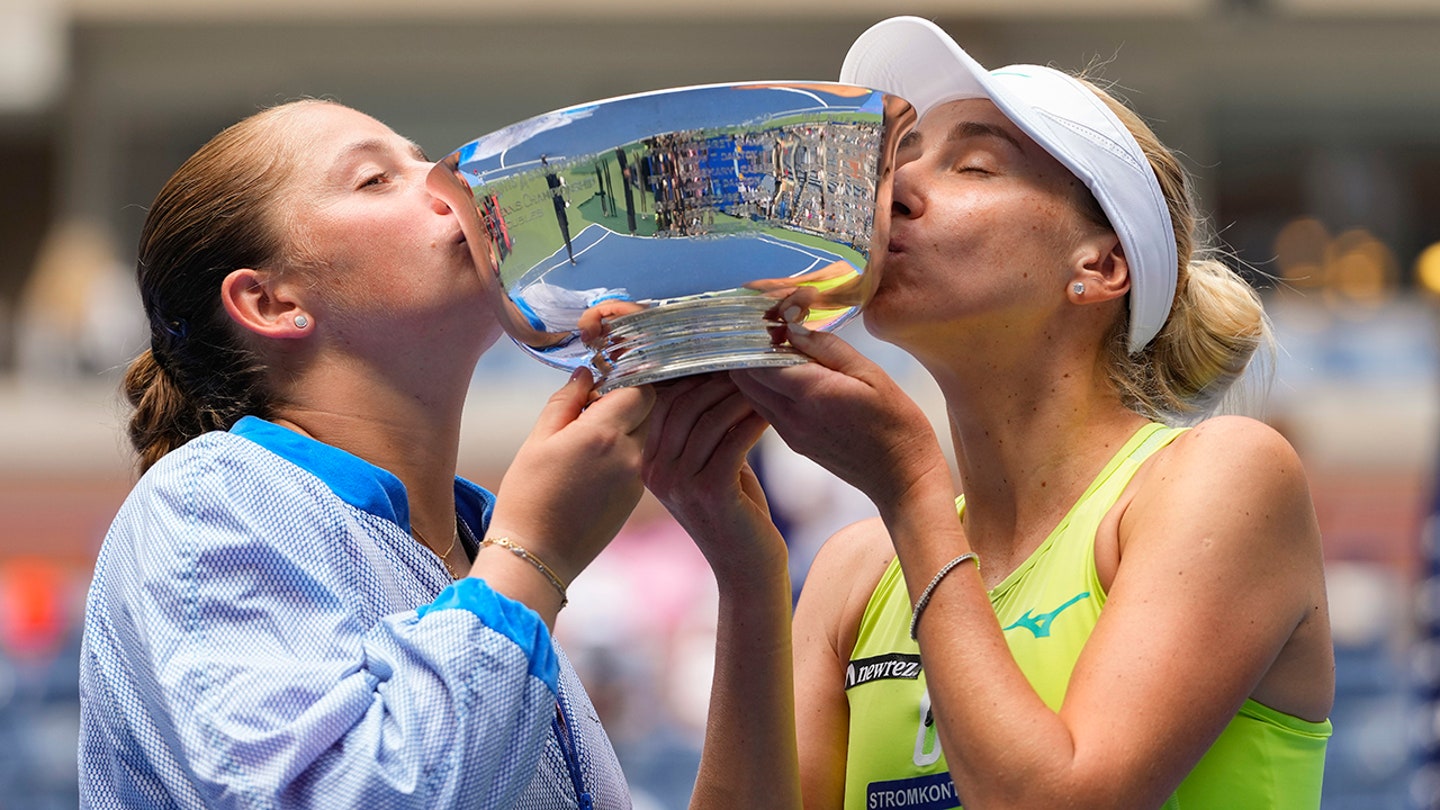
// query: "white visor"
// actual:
[[915, 59]]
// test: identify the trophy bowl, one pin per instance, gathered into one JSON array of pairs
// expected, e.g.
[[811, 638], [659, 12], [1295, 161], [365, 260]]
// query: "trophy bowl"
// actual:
[[661, 234]]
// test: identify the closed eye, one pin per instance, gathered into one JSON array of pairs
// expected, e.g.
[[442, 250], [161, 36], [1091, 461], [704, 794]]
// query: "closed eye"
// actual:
[[973, 169]]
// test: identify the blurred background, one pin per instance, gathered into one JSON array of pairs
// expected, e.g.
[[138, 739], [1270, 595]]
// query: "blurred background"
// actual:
[[1313, 125]]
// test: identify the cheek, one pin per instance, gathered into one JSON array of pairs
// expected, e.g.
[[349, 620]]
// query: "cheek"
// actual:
[[369, 259], [1062, 207], [329, 246], [1040, 234]]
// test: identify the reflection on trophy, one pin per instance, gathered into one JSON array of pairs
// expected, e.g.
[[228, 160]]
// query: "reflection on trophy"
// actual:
[[658, 235]]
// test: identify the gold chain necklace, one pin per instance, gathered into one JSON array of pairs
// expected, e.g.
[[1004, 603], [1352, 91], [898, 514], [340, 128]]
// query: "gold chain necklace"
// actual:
[[445, 557]]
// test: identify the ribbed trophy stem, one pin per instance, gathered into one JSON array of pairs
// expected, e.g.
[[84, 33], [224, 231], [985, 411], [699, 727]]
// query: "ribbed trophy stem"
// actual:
[[691, 336]]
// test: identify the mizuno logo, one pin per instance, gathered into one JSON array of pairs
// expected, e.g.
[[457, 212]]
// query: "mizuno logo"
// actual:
[[1040, 624]]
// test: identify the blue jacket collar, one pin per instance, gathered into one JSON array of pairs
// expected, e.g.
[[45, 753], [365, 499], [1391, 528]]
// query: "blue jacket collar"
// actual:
[[357, 481]]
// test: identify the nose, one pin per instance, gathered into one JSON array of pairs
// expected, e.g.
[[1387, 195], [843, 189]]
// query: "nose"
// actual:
[[440, 187], [439, 205], [906, 198]]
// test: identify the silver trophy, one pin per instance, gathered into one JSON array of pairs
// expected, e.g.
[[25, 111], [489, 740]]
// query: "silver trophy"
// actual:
[[657, 235]]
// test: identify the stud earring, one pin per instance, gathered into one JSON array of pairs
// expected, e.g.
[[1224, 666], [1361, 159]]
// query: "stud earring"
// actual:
[[1078, 288], [301, 321]]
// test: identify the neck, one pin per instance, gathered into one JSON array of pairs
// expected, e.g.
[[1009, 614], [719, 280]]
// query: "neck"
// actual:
[[1029, 437], [413, 434]]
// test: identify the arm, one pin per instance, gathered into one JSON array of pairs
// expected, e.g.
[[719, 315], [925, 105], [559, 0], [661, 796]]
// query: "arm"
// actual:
[[1219, 552], [695, 464], [232, 648], [827, 622], [242, 627], [569, 490]]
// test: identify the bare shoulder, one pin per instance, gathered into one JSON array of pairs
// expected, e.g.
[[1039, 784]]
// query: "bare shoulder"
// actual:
[[1232, 456], [1231, 484], [1240, 433], [854, 558], [1221, 544], [842, 578], [1241, 436], [860, 541]]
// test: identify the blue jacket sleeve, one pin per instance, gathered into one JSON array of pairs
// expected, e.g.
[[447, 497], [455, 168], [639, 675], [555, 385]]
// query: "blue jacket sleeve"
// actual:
[[248, 645]]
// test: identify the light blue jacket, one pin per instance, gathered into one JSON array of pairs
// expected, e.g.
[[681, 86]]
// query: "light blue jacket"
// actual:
[[262, 631]]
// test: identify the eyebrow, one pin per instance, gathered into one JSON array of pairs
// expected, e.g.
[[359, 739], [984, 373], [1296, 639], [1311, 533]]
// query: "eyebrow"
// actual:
[[381, 145], [962, 131], [977, 129]]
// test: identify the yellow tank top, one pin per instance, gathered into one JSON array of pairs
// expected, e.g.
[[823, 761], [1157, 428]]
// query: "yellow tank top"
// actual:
[[1047, 608]]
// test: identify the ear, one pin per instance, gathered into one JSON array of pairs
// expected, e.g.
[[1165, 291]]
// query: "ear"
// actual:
[[255, 300], [1100, 264]]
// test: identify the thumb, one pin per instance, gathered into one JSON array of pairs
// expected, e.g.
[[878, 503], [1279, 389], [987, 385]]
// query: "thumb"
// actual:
[[826, 349], [628, 407], [565, 405]]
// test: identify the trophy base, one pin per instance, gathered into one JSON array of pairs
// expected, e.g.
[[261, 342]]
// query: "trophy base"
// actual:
[[691, 336]]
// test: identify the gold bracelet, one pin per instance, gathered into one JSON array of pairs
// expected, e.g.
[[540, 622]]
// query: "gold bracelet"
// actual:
[[519, 551], [930, 589]]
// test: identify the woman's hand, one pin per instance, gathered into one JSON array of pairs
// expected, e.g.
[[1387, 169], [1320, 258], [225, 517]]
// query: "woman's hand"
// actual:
[[575, 480], [845, 413], [694, 463]]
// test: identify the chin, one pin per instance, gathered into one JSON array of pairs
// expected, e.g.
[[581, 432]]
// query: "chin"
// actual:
[[881, 315], [890, 321]]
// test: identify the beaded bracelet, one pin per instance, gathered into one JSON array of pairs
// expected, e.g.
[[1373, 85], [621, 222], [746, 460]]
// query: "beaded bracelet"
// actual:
[[519, 551], [930, 589]]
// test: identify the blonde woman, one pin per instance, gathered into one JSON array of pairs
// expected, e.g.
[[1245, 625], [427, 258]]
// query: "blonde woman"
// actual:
[[1116, 611]]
